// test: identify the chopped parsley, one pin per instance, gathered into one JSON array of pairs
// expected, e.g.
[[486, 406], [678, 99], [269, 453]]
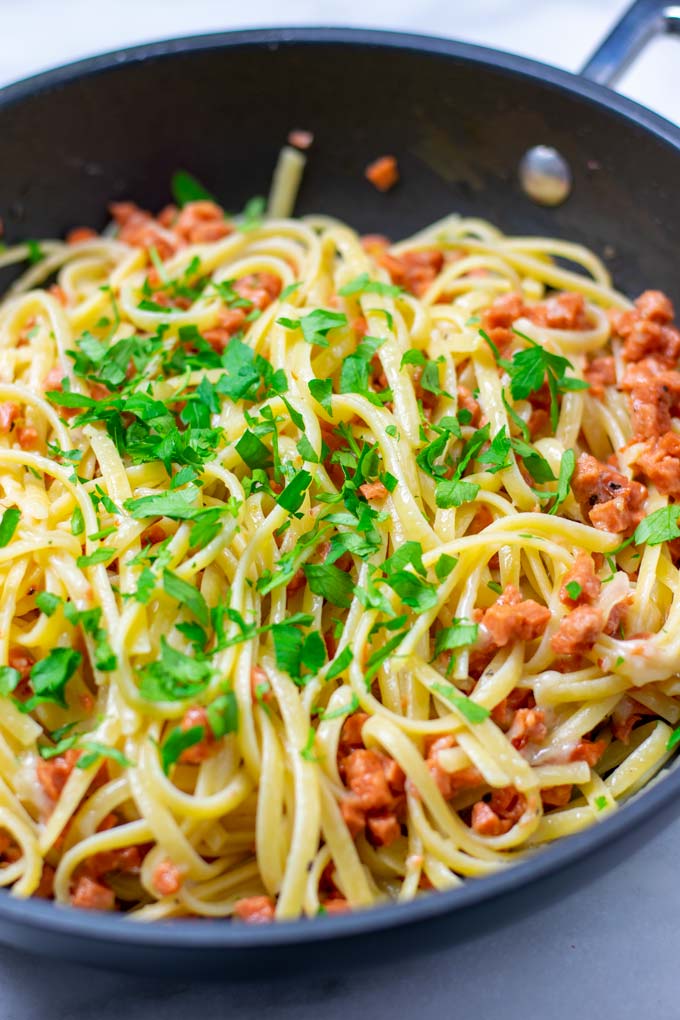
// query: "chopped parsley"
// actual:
[[8, 525], [473, 712], [659, 526]]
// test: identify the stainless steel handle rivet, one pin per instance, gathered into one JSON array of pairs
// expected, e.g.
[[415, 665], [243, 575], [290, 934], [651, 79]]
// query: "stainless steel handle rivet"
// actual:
[[544, 175]]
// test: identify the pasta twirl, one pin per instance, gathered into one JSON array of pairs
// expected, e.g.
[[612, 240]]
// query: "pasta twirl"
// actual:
[[332, 570]]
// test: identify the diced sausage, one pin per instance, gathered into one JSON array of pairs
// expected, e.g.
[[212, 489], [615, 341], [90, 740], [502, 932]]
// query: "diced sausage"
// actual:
[[366, 778], [466, 402], [512, 618], [625, 716], [91, 895], [259, 288], [9, 412], [383, 173], [167, 878], [414, 270], [659, 461], [566, 310], [528, 727], [80, 234], [578, 632], [556, 796], [600, 373], [53, 773], [255, 909], [589, 751], [607, 498], [583, 575], [498, 816], [373, 490], [300, 139], [655, 306]]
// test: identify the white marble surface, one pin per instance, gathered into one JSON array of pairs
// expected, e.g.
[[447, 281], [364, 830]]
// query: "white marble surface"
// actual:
[[612, 949]]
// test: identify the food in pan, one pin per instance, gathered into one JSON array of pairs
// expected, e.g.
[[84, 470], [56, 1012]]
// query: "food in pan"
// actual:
[[334, 571]]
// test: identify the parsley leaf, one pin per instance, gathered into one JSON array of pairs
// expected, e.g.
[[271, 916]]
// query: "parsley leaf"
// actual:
[[659, 526], [321, 390], [178, 741], [187, 595], [340, 663], [567, 465], [473, 712], [223, 715], [293, 495], [330, 582], [186, 188], [8, 525], [316, 325], [444, 565], [573, 590], [455, 493], [49, 677], [174, 677], [95, 751], [102, 555], [412, 591], [460, 634], [362, 284], [9, 680]]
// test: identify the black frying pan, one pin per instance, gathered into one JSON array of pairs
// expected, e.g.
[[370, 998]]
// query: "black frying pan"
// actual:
[[459, 118]]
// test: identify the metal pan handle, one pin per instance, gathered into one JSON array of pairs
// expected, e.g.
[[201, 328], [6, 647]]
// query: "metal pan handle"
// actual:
[[641, 22]]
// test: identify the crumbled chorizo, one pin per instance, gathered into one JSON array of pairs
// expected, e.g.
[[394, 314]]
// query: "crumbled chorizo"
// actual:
[[205, 747], [138, 228], [383, 173], [500, 315], [373, 490], [583, 576], [607, 498], [528, 727], [80, 234], [589, 751], [659, 461], [259, 288], [600, 373], [449, 783], [414, 270], [646, 329], [503, 713], [556, 796], [626, 715], [578, 632], [229, 322], [9, 412], [499, 814], [300, 139], [255, 909], [512, 618], [91, 895], [201, 222], [376, 783], [53, 773], [466, 402], [167, 878], [566, 310]]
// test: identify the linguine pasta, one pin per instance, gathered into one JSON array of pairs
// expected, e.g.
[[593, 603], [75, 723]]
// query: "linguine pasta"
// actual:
[[332, 571]]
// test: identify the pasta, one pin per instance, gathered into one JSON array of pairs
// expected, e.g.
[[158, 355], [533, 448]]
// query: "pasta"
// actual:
[[332, 571]]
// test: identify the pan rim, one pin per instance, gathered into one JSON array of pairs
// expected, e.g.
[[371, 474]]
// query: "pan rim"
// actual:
[[51, 918]]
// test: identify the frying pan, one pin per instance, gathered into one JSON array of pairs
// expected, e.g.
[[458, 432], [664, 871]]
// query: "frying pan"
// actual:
[[459, 118]]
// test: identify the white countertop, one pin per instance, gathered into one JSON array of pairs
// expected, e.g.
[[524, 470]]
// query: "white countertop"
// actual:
[[612, 948]]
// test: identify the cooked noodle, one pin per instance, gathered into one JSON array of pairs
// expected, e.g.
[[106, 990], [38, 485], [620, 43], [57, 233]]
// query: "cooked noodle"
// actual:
[[189, 749]]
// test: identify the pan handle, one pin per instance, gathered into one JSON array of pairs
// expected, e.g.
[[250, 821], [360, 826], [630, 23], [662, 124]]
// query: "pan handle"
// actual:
[[641, 22]]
